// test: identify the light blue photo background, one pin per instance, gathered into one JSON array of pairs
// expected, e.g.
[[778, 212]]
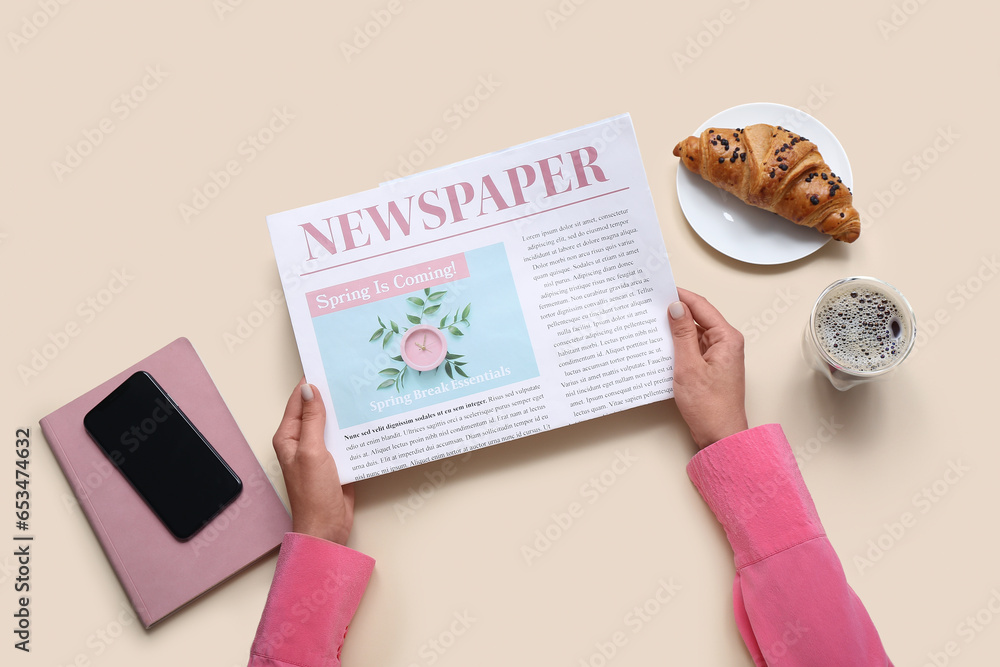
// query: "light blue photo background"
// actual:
[[497, 336]]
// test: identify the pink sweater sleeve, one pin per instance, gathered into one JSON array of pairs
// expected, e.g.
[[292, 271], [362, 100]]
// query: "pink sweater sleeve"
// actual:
[[317, 587], [792, 602]]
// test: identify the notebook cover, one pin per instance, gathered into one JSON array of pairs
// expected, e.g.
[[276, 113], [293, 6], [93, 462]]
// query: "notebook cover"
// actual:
[[159, 573]]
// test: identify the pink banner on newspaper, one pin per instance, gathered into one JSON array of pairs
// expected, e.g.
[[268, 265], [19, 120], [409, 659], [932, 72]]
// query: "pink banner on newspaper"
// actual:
[[387, 285]]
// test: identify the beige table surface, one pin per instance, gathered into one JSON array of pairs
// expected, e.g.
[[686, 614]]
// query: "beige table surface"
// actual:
[[901, 84]]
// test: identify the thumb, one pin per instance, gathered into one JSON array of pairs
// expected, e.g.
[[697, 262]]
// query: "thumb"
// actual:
[[684, 332], [313, 417]]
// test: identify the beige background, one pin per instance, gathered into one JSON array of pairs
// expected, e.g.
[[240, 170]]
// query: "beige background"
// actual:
[[886, 95]]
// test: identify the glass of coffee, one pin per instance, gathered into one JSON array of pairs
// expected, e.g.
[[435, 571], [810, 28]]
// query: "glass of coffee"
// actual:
[[860, 329]]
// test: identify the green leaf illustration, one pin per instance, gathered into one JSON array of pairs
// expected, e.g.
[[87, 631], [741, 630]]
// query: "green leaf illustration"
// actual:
[[444, 320], [455, 330], [387, 384], [416, 302], [381, 323], [430, 310], [396, 358], [452, 355], [388, 337], [460, 372], [413, 318], [389, 371], [395, 327], [447, 369], [465, 313], [376, 335], [427, 291], [436, 296], [460, 363]]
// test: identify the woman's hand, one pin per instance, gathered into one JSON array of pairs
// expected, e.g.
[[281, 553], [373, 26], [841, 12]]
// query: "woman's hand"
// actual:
[[320, 506], [709, 378]]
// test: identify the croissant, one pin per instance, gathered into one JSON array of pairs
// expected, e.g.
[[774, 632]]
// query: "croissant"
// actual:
[[777, 170]]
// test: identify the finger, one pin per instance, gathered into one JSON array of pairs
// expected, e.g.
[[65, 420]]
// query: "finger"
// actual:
[[287, 434], [313, 418], [703, 312], [687, 349], [293, 408]]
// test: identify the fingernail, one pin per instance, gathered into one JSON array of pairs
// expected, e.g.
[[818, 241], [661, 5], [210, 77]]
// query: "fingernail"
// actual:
[[676, 310], [307, 392]]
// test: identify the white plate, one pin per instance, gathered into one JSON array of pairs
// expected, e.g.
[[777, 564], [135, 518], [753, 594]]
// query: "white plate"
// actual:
[[745, 232]]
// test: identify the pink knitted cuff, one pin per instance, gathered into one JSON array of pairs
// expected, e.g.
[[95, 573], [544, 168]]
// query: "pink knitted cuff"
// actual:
[[752, 483]]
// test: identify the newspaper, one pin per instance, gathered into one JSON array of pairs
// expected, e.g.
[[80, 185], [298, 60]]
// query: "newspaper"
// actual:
[[488, 300]]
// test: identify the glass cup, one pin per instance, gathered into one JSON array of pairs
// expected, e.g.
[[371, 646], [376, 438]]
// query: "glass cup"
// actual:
[[860, 329]]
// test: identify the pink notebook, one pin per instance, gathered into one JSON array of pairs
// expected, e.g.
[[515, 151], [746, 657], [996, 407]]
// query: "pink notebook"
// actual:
[[159, 573]]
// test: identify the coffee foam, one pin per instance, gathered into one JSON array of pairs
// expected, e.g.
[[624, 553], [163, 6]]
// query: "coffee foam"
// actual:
[[862, 327]]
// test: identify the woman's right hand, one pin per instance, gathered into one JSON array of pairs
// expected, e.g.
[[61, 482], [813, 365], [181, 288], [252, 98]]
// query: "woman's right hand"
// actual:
[[709, 375]]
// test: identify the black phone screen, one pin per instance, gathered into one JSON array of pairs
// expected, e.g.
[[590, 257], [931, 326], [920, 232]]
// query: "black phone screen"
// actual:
[[164, 457]]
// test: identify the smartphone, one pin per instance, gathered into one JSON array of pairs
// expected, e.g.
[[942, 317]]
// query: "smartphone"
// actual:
[[162, 454]]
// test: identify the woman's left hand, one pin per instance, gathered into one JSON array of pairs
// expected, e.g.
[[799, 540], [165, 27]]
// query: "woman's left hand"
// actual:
[[321, 507]]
